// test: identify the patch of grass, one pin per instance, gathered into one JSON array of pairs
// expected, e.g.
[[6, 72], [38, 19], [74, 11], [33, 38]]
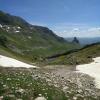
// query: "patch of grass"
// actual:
[[81, 56], [19, 84]]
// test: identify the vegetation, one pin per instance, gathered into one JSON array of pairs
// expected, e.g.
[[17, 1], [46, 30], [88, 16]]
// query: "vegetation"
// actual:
[[33, 42], [37, 44], [26, 85], [3, 40], [29, 84], [80, 56]]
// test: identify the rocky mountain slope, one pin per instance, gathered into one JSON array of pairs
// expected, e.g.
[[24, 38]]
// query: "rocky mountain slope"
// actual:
[[75, 40]]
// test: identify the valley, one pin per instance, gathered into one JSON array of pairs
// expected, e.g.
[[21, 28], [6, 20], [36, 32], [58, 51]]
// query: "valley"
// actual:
[[37, 64]]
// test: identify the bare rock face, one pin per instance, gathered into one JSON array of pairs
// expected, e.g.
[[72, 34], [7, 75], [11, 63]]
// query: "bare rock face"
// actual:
[[75, 40]]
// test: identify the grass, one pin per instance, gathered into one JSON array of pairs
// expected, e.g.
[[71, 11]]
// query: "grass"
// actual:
[[31, 42], [80, 56], [20, 84], [28, 84], [40, 46]]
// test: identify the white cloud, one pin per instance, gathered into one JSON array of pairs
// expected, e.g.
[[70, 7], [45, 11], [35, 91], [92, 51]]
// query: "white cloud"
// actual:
[[78, 30], [75, 29], [72, 29], [94, 29]]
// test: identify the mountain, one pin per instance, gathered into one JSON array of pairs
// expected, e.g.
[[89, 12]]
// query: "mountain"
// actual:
[[75, 40], [7, 19], [85, 40], [20, 39], [78, 56]]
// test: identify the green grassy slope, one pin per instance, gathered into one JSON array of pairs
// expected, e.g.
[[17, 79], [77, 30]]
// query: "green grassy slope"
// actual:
[[80, 56], [29, 41]]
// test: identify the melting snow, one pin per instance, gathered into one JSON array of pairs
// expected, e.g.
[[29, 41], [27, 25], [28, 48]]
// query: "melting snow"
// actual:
[[10, 62], [92, 69]]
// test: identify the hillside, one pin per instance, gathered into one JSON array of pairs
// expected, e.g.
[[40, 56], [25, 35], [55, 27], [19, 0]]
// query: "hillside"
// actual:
[[19, 38], [78, 56]]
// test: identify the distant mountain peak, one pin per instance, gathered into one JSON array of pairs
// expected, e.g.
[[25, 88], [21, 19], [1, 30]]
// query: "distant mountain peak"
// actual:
[[75, 40]]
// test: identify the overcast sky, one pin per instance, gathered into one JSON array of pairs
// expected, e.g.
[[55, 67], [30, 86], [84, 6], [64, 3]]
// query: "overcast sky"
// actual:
[[66, 18]]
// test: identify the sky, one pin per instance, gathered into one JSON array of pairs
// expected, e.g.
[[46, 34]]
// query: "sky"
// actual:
[[67, 18]]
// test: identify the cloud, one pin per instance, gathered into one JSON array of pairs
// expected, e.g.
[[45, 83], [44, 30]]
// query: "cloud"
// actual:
[[94, 29], [72, 30], [77, 30]]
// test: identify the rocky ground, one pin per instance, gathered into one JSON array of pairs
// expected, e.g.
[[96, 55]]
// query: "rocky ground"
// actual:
[[48, 83]]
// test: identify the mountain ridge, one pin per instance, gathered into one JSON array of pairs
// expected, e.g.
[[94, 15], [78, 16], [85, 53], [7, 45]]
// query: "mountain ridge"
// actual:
[[30, 41]]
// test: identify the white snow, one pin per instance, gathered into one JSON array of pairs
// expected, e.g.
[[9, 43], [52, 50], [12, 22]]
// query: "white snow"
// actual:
[[92, 69], [10, 62]]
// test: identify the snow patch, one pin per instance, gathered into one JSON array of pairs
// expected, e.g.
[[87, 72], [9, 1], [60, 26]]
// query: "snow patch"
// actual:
[[10, 62], [92, 69]]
